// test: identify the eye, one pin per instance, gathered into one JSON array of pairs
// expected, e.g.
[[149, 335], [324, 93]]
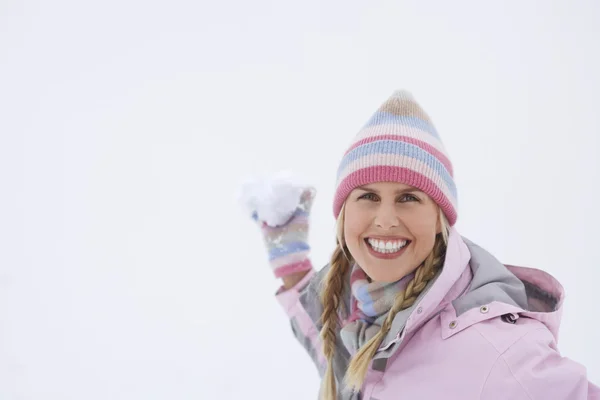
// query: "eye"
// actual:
[[408, 197], [369, 196]]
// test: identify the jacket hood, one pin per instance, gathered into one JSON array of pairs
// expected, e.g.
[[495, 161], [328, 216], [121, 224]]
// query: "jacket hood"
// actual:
[[526, 291]]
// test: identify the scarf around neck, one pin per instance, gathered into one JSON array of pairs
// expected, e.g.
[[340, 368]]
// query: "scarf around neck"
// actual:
[[370, 304]]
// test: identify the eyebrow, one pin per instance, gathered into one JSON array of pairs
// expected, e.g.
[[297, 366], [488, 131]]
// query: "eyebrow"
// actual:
[[402, 191]]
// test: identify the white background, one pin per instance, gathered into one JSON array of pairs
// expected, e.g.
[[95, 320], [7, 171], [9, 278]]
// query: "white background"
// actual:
[[127, 269]]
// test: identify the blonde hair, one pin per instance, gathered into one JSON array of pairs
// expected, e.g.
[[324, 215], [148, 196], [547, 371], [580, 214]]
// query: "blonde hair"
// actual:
[[331, 298]]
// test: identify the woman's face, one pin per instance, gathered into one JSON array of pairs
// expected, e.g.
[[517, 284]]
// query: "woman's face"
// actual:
[[390, 229]]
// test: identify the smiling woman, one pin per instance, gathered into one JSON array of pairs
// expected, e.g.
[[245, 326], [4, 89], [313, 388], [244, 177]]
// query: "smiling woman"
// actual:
[[390, 228], [407, 306]]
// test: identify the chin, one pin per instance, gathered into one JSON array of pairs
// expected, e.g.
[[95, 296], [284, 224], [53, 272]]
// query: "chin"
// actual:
[[379, 274]]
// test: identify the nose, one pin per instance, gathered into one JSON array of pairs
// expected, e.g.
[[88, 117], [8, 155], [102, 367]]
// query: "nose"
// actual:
[[386, 218]]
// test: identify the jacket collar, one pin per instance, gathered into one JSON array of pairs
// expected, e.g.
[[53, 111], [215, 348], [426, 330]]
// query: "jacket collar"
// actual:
[[450, 282], [473, 286]]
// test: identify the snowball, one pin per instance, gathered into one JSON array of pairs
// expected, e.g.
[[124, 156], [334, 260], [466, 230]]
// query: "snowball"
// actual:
[[274, 199]]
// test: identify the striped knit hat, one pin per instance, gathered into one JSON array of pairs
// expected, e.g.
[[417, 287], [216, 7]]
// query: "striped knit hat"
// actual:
[[399, 144]]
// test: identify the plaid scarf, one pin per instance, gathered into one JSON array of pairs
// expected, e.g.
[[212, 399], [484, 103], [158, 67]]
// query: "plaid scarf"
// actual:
[[370, 304]]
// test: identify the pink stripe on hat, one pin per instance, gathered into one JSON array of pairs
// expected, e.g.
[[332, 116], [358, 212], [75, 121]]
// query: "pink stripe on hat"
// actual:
[[387, 160], [393, 174]]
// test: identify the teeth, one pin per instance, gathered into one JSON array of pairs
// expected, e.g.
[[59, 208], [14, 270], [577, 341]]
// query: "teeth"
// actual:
[[386, 247]]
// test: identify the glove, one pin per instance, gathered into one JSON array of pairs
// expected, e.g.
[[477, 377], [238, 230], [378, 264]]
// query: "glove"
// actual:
[[281, 205]]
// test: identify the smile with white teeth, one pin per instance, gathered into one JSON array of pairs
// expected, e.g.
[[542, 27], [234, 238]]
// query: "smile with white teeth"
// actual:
[[386, 246]]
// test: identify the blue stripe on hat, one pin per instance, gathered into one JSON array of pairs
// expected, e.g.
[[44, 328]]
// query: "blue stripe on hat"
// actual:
[[387, 118], [402, 149]]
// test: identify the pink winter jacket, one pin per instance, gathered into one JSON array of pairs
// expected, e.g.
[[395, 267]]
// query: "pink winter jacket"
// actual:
[[480, 330]]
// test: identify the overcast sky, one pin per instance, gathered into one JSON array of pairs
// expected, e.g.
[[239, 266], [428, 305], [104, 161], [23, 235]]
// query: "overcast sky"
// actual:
[[128, 271]]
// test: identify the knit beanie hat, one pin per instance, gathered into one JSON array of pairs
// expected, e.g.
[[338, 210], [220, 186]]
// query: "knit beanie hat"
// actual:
[[399, 144]]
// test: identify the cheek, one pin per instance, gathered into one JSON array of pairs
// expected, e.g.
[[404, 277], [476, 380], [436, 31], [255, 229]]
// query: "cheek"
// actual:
[[355, 224], [351, 229], [424, 222], [353, 242], [424, 230]]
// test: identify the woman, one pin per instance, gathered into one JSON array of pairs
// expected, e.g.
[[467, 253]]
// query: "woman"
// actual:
[[407, 308]]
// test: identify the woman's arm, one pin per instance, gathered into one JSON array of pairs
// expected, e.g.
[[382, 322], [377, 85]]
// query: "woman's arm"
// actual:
[[302, 305], [282, 207]]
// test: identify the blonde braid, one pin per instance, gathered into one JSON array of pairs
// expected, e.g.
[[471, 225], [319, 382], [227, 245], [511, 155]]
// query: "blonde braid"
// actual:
[[331, 298], [359, 364]]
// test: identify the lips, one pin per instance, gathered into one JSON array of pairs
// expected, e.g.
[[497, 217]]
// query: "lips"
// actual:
[[387, 245], [387, 248]]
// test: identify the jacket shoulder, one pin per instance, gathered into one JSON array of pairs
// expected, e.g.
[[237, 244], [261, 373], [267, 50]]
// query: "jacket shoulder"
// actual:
[[505, 331], [536, 369]]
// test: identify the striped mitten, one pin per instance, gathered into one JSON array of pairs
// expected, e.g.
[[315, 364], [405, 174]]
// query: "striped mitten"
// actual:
[[282, 208], [288, 244]]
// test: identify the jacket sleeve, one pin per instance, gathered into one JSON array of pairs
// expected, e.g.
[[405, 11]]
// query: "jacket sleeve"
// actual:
[[302, 305], [533, 369]]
